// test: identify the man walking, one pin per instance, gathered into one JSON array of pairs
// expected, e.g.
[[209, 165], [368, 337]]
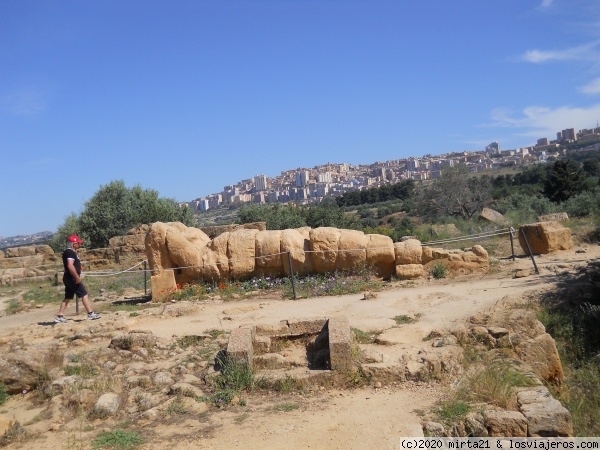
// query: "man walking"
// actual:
[[72, 281]]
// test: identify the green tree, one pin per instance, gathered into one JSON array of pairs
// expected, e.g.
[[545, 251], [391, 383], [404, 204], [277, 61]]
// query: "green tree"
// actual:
[[327, 214], [566, 179], [276, 217], [114, 209]]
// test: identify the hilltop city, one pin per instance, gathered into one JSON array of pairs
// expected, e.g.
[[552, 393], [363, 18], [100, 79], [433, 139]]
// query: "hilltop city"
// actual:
[[305, 186]]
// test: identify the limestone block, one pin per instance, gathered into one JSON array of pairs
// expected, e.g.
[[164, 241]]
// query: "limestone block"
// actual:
[[408, 252], [352, 250], [304, 327], [340, 343], [545, 415], [241, 252], [409, 271], [490, 215], [324, 247], [162, 284], [380, 255], [240, 345], [480, 252], [296, 242], [541, 354], [438, 253], [185, 254], [545, 237], [505, 423], [269, 260]]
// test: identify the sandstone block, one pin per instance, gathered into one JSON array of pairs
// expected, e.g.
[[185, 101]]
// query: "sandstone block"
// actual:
[[380, 255], [505, 423], [545, 237], [297, 244], [352, 249], [269, 260], [408, 252], [324, 248], [545, 415], [162, 284], [340, 344], [241, 252], [409, 271], [240, 345], [541, 354]]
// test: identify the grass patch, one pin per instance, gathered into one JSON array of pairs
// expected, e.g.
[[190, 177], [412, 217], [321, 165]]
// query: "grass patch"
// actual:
[[119, 439], [452, 411], [286, 407], [404, 319], [282, 385], [365, 337], [337, 283], [3, 394], [494, 384]]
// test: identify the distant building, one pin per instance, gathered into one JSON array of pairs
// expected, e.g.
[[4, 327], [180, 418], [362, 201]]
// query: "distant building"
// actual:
[[260, 182], [542, 142], [302, 178], [493, 148]]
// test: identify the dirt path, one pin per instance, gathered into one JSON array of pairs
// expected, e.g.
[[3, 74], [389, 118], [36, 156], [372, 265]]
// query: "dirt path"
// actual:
[[361, 418]]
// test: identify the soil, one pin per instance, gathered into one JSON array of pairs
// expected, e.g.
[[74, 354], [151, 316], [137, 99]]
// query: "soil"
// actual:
[[366, 417]]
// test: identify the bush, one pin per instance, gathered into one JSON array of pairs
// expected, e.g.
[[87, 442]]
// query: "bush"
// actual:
[[583, 205], [117, 439], [439, 271], [3, 394]]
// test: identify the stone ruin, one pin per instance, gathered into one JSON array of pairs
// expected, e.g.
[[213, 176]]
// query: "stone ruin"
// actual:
[[178, 254], [321, 347], [545, 237]]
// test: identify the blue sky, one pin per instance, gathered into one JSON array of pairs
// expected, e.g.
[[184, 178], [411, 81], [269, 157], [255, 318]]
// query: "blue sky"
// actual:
[[185, 97]]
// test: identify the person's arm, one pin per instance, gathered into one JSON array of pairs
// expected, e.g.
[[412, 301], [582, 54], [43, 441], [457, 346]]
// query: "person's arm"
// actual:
[[71, 267]]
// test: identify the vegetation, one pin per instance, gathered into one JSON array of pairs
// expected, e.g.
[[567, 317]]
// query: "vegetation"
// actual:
[[119, 439], [114, 209]]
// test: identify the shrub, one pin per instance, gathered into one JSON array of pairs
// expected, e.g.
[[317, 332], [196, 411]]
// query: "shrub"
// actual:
[[3, 394], [439, 271], [117, 439]]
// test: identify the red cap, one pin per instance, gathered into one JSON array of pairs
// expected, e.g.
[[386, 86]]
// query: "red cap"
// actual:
[[75, 239]]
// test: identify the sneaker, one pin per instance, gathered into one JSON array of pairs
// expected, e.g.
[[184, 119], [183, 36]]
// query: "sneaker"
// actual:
[[60, 319], [93, 316]]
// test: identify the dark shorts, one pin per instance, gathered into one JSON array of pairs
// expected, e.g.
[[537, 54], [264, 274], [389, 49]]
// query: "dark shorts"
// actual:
[[72, 289]]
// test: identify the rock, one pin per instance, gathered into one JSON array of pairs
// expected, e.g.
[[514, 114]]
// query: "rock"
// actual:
[[505, 423], [545, 415], [490, 215], [541, 354], [408, 252], [545, 237], [380, 255], [409, 271], [22, 370], [554, 217], [186, 390], [352, 250], [107, 405], [324, 246]]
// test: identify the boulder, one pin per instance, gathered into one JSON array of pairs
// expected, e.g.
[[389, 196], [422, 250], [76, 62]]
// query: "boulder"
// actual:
[[21, 370], [490, 215], [545, 237], [541, 354], [107, 405], [555, 217]]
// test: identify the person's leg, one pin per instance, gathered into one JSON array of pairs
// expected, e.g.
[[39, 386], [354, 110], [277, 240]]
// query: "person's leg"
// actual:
[[63, 306], [86, 303]]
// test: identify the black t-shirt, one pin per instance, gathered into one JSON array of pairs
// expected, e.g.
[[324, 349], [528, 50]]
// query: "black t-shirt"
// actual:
[[70, 254]]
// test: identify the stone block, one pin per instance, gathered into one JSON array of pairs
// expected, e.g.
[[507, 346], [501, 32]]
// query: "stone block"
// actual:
[[505, 423], [240, 346], [545, 237], [409, 271], [162, 284], [545, 415], [304, 327], [340, 344]]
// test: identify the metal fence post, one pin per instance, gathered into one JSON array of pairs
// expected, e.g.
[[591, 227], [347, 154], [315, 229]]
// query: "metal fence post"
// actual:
[[512, 245], [292, 273], [145, 279], [529, 249]]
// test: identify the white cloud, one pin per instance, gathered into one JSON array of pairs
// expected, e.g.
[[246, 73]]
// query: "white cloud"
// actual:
[[585, 52], [539, 121], [592, 88]]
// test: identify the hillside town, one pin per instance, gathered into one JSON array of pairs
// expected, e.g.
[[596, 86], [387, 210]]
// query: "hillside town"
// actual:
[[305, 186]]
